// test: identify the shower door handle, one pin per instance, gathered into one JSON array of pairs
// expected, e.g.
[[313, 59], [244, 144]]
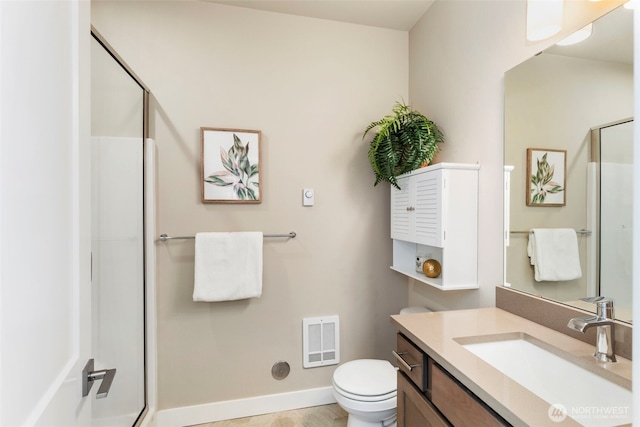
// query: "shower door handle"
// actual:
[[89, 376]]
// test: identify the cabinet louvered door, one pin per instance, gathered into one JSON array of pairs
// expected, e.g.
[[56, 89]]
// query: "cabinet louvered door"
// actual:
[[428, 209], [402, 210], [416, 209]]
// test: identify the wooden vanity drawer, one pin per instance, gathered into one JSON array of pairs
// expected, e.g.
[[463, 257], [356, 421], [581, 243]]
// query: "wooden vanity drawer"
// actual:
[[412, 361], [456, 403]]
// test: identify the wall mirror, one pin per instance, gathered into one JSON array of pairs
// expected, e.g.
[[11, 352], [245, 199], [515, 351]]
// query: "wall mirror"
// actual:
[[576, 100]]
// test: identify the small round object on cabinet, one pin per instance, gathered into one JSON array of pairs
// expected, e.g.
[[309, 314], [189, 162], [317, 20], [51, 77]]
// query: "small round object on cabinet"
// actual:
[[431, 268]]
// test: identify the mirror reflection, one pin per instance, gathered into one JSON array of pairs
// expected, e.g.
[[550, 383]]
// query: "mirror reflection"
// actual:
[[577, 99]]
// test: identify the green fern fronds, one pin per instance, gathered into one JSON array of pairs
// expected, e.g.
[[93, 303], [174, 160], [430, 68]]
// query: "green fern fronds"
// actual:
[[404, 140]]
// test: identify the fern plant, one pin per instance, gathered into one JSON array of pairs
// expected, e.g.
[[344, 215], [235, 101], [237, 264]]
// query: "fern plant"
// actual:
[[403, 142]]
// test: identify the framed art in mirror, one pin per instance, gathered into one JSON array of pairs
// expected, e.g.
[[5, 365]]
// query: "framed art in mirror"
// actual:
[[230, 168], [546, 177]]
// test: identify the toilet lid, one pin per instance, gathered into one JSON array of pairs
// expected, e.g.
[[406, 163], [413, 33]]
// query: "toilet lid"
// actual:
[[366, 377]]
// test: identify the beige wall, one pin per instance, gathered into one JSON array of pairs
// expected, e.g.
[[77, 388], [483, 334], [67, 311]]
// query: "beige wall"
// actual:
[[459, 52], [311, 87]]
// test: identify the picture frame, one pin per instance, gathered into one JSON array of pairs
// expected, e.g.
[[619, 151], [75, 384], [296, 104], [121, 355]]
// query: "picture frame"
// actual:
[[230, 166], [546, 179]]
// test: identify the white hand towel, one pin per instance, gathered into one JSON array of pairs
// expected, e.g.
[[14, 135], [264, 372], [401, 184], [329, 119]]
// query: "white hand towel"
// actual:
[[228, 266], [554, 254]]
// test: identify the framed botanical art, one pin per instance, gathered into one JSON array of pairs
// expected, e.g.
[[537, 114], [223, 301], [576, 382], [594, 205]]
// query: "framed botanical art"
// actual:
[[546, 177], [230, 169]]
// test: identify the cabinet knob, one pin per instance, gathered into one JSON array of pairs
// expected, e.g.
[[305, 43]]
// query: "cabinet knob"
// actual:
[[410, 208]]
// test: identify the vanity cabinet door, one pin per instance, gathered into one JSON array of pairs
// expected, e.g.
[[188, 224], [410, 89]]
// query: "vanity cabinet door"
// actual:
[[414, 410], [456, 403]]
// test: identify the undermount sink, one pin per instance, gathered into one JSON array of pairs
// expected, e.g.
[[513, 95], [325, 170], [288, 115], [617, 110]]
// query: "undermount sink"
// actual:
[[577, 386]]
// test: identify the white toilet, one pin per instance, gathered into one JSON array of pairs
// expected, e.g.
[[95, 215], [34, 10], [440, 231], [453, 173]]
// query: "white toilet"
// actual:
[[367, 389]]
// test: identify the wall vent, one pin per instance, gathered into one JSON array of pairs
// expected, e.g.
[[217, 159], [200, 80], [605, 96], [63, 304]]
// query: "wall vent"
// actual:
[[320, 341]]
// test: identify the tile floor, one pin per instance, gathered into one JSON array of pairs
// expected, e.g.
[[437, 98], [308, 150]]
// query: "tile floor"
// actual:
[[317, 416]]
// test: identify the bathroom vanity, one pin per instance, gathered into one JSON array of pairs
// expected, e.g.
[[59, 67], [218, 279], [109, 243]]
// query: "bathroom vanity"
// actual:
[[443, 379], [429, 396]]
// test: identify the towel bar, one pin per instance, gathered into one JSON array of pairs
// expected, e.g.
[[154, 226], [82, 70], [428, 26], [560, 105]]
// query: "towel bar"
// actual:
[[164, 237], [581, 231]]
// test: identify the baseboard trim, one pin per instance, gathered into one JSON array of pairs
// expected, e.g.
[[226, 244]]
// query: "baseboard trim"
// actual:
[[230, 409]]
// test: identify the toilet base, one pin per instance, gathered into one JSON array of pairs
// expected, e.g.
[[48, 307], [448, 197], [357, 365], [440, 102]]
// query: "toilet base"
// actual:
[[354, 421], [361, 414]]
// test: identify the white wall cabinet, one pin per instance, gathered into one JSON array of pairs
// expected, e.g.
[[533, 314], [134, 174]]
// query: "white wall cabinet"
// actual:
[[435, 215]]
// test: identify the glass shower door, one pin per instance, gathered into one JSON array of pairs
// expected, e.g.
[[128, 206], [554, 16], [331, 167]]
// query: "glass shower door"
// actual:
[[616, 215], [117, 117]]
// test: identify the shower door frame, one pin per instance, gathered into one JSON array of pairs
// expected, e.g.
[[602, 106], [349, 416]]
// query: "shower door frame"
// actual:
[[596, 157], [149, 377]]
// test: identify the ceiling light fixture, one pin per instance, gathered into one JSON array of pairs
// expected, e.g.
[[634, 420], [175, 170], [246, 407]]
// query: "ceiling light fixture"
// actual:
[[544, 19], [578, 36]]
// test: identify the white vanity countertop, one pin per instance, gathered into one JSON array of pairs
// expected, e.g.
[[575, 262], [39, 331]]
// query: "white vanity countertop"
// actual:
[[435, 334]]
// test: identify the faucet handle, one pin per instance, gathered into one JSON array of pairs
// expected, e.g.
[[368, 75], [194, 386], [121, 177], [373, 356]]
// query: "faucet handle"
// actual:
[[604, 306]]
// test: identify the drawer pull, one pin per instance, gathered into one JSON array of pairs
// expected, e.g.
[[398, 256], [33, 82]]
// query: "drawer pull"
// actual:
[[404, 362]]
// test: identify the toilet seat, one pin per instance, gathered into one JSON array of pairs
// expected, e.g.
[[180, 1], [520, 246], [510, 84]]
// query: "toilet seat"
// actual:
[[366, 380], [360, 398]]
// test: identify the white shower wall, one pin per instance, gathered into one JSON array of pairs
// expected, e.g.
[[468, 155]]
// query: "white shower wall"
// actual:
[[117, 275], [616, 210]]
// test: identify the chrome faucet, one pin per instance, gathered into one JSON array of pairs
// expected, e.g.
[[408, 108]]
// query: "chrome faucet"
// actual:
[[603, 320]]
